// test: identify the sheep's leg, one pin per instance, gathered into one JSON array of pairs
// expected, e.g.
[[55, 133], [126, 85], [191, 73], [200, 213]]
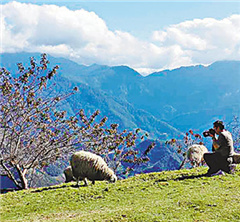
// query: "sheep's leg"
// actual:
[[93, 182], [194, 164], [85, 181]]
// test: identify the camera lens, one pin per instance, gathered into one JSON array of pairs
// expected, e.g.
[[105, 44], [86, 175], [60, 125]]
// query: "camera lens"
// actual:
[[206, 133]]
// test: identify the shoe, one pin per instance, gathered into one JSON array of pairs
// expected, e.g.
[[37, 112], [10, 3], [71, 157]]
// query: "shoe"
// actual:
[[209, 174], [218, 173]]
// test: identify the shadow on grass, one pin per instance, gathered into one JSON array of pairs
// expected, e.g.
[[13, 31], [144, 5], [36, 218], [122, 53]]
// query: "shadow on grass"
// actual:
[[55, 188], [183, 178]]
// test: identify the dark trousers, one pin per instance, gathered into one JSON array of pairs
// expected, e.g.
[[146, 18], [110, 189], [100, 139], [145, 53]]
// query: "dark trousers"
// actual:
[[216, 162]]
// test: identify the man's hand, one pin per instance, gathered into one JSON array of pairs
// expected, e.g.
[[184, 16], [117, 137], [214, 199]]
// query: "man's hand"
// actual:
[[215, 145]]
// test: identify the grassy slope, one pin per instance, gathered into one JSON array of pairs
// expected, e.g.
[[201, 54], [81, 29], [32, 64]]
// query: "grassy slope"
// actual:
[[167, 196]]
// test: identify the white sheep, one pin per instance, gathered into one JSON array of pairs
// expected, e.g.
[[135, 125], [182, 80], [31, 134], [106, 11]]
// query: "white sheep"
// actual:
[[86, 165], [236, 158], [194, 155]]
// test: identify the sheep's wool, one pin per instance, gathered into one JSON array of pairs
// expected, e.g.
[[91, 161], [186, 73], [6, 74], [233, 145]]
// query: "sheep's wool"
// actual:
[[91, 166], [236, 158], [195, 154]]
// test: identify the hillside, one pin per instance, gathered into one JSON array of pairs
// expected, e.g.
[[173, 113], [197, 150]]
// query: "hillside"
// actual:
[[182, 195]]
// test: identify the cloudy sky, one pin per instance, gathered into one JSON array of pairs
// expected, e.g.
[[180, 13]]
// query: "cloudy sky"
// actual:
[[147, 36]]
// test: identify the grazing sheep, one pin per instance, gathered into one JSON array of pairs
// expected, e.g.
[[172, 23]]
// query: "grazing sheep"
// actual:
[[68, 174], [86, 165], [194, 155]]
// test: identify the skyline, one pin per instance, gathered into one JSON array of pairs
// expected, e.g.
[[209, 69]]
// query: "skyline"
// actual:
[[147, 36]]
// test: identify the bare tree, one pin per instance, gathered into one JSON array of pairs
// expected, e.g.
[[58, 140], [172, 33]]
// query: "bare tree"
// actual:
[[182, 144], [34, 132]]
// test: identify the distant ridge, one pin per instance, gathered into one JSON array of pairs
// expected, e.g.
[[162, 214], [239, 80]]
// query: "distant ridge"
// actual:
[[200, 93], [164, 104]]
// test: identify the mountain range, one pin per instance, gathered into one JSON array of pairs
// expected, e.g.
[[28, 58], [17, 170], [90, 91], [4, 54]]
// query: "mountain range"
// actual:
[[165, 104]]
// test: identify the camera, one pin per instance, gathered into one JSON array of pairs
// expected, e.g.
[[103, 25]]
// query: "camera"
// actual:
[[209, 132]]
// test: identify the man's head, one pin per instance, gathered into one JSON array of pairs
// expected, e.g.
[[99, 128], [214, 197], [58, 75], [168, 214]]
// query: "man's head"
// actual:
[[218, 126]]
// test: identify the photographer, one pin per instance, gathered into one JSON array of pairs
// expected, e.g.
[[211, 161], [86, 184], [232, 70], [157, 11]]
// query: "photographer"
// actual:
[[222, 147]]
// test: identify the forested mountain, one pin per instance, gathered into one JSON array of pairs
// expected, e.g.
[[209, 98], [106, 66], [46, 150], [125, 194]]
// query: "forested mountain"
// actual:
[[165, 104], [188, 97]]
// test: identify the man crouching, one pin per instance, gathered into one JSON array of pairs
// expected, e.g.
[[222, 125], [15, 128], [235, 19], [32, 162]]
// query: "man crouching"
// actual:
[[222, 147]]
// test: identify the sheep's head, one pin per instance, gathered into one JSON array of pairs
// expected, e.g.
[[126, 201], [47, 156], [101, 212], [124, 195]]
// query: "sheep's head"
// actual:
[[113, 178], [68, 175]]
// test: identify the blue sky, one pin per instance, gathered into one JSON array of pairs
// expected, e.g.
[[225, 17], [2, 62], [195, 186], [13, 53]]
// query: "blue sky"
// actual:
[[146, 36], [140, 18]]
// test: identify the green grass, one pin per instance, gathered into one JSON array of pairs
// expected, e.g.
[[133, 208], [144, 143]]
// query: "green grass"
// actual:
[[167, 196]]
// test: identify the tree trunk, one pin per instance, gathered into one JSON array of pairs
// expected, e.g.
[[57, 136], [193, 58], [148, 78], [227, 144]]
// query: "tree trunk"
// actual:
[[22, 177], [11, 175]]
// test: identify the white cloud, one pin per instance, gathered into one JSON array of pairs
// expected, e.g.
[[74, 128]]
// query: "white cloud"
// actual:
[[85, 38], [206, 40]]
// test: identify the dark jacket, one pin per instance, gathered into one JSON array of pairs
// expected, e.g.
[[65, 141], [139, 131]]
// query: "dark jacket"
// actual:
[[225, 142]]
